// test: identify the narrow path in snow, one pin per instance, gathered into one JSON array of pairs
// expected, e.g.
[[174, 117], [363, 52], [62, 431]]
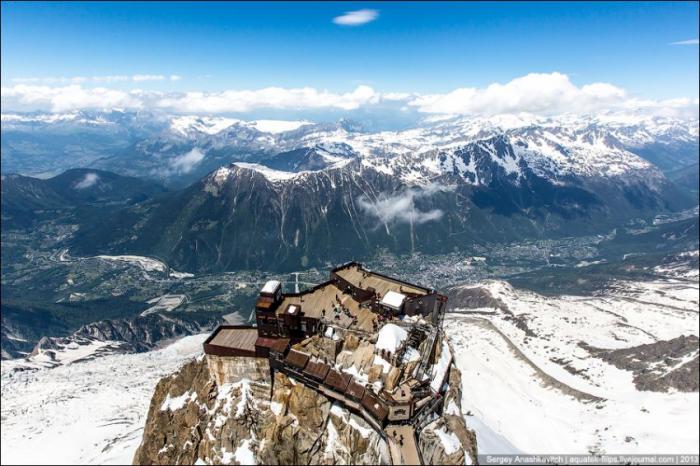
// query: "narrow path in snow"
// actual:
[[546, 378]]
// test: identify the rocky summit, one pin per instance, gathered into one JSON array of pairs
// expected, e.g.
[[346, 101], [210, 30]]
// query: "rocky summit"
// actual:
[[250, 419]]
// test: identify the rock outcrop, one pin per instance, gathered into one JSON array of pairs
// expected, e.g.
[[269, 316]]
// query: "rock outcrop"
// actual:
[[208, 413], [192, 419], [660, 366], [448, 440]]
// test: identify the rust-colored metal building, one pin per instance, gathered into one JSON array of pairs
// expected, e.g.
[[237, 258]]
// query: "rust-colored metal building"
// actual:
[[352, 299]]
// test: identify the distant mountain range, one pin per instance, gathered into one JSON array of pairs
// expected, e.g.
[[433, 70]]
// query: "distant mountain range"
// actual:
[[160, 146], [283, 195]]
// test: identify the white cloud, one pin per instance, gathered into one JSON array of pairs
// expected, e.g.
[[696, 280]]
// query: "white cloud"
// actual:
[[95, 79], [147, 77], [51, 80], [401, 208], [686, 42], [72, 97], [110, 79], [185, 163], [88, 180], [536, 93], [270, 97], [356, 18], [396, 96]]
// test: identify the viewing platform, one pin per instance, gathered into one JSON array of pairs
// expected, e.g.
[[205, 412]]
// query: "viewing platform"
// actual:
[[369, 342]]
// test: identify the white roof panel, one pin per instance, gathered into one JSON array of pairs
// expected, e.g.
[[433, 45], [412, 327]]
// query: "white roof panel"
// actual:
[[393, 299], [271, 286]]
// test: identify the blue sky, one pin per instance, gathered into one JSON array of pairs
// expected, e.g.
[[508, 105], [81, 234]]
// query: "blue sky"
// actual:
[[408, 48]]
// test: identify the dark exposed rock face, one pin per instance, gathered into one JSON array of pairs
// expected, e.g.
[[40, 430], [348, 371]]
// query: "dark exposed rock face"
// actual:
[[472, 297], [659, 366], [139, 334], [14, 344], [143, 333]]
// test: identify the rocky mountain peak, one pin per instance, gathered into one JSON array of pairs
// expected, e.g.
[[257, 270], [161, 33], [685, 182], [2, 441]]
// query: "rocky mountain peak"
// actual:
[[201, 415]]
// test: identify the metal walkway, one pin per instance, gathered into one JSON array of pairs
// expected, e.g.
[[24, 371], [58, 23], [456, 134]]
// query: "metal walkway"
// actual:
[[403, 445]]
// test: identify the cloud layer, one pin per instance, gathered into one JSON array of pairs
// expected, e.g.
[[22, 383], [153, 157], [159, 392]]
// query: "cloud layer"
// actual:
[[270, 97], [186, 162], [535, 93], [96, 79]]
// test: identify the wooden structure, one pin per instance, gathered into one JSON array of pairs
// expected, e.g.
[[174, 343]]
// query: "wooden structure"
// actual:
[[317, 370], [242, 341], [232, 340], [353, 300]]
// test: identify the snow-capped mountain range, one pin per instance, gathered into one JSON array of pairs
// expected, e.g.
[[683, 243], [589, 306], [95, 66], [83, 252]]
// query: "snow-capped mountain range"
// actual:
[[588, 146], [438, 186], [604, 145]]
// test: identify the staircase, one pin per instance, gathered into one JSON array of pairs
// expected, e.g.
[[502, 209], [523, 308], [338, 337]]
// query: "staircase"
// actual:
[[417, 334], [260, 391], [422, 369]]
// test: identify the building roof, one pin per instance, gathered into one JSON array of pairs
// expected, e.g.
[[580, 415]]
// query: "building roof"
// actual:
[[365, 279], [355, 390], [372, 404], [275, 344], [271, 286], [338, 380], [240, 338], [393, 299], [297, 358], [232, 340], [325, 297], [317, 370]]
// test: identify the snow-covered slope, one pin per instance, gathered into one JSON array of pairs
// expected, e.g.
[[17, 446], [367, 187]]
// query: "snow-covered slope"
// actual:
[[603, 374], [583, 146], [211, 125], [89, 412], [539, 375]]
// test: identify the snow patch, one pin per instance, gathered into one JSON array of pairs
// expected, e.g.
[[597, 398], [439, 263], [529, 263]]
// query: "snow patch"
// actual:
[[244, 454], [278, 126], [390, 337], [450, 442], [178, 402]]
